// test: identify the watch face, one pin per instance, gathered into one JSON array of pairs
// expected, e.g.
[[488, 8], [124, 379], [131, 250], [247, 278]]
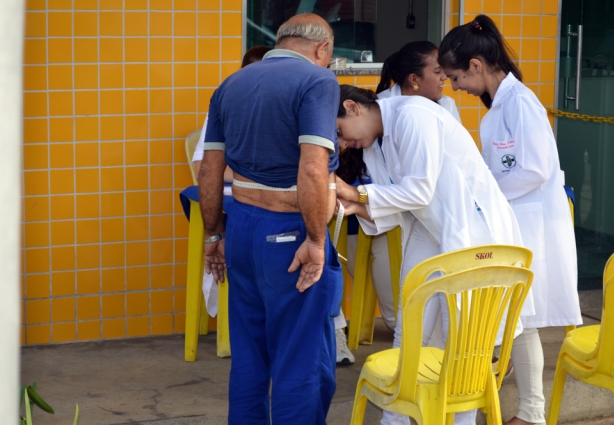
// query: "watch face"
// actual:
[[361, 189]]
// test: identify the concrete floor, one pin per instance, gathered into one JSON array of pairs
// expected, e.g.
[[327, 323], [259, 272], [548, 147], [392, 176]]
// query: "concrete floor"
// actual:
[[146, 381]]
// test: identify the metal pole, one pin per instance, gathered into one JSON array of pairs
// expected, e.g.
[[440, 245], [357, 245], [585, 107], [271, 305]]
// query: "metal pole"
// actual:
[[11, 56]]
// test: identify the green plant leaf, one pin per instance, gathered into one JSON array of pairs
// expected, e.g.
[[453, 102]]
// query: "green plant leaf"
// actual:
[[38, 400], [28, 412], [22, 391], [76, 415]]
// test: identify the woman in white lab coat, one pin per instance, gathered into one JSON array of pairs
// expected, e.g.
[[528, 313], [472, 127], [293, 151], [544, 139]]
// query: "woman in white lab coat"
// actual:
[[428, 177], [415, 71], [519, 148]]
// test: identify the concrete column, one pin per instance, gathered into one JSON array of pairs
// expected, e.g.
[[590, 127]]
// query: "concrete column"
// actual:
[[11, 48]]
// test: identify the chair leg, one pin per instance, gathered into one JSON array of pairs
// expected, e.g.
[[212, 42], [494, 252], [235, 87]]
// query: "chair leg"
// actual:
[[569, 328], [194, 282], [557, 393], [204, 318], [433, 415], [359, 408], [223, 333], [369, 308], [395, 257], [360, 291], [493, 406], [432, 407]]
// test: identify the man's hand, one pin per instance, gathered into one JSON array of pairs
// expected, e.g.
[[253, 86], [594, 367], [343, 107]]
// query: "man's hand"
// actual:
[[215, 262], [311, 257], [345, 191]]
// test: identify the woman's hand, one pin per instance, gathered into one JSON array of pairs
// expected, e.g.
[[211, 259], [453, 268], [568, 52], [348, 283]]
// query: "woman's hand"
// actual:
[[350, 207], [355, 208], [345, 191]]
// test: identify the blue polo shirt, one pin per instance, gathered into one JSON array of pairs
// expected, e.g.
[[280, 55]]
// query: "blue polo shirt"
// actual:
[[261, 114]]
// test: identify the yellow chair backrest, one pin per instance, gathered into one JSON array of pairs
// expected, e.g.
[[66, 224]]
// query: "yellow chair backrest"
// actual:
[[190, 146], [605, 346], [486, 294], [464, 259]]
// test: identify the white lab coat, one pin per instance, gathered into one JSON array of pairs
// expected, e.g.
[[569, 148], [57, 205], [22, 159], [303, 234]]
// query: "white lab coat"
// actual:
[[445, 102], [519, 148], [428, 168]]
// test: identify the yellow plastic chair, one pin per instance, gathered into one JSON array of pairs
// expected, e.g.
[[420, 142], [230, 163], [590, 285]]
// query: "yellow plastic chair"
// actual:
[[430, 384], [364, 297], [571, 210], [196, 316], [395, 252], [190, 146], [587, 353]]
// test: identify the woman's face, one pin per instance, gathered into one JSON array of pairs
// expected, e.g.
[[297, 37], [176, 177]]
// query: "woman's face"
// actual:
[[470, 80], [430, 85], [355, 130]]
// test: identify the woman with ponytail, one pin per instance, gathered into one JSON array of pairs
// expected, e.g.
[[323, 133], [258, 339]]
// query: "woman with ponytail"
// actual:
[[427, 177], [412, 71], [415, 72], [520, 150]]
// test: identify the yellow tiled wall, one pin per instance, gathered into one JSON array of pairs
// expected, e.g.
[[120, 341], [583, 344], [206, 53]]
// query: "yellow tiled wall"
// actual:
[[111, 89], [530, 28]]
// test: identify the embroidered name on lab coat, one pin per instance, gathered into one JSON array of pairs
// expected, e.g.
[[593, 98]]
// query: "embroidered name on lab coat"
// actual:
[[504, 145]]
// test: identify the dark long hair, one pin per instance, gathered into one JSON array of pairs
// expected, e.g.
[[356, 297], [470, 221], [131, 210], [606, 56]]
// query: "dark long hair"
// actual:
[[351, 164], [478, 39], [254, 54], [411, 59]]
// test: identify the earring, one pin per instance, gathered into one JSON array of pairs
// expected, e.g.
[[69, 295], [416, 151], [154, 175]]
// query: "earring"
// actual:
[[416, 87]]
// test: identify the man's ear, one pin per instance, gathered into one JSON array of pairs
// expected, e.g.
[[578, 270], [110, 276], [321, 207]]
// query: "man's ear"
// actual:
[[322, 49]]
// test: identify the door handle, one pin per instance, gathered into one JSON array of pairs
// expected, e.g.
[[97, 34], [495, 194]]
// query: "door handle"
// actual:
[[575, 98]]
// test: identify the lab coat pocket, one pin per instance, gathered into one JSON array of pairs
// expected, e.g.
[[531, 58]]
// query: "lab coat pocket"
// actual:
[[530, 218], [277, 255]]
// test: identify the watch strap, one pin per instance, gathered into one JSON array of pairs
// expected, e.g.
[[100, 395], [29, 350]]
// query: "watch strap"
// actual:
[[215, 238]]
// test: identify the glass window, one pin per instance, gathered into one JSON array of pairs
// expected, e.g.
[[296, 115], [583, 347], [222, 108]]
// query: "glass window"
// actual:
[[365, 30]]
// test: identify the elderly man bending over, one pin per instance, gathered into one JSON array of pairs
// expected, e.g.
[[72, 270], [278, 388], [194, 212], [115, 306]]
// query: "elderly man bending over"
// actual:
[[273, 123]]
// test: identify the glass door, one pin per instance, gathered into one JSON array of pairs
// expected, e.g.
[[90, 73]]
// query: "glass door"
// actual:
[[586, 148]]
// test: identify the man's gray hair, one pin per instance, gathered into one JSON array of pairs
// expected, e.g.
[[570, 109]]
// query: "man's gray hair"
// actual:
[[314, 32]]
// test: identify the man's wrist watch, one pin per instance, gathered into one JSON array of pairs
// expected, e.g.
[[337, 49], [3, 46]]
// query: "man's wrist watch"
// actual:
[[362, 194], [215, 238]]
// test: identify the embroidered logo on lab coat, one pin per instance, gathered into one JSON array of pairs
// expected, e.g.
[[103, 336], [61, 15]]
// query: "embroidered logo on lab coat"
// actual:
[[508, 161]]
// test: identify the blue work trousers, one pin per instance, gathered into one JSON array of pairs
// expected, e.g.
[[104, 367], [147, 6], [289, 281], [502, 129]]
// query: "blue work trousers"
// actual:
[[282, 340]]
